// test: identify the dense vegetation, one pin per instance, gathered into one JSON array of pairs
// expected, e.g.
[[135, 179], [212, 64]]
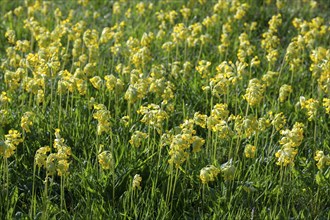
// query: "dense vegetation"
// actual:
[[197, 109]]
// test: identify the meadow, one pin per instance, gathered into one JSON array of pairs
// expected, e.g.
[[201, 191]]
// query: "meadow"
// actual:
[[169, 109]]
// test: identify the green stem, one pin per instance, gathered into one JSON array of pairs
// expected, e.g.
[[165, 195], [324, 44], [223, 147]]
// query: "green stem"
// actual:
[[45, 200], [6, 173], [33, 202]]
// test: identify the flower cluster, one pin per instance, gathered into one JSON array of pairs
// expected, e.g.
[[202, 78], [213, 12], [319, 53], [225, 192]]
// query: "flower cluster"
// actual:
[[326, 105], [41, 156], [181, 143], [153, 116], [12, 140], [54, 162], [102, 115], [254, 92], [137, 138], [203, 68], [285, 91], [322, 159], [245, 126], [137, 181], [250, 151], [106, 160], [227, 74], [271, 41], [208, 174], [27, 121], [323, 80], [291, 140], [245, 49], [311, 105], [278, 120]]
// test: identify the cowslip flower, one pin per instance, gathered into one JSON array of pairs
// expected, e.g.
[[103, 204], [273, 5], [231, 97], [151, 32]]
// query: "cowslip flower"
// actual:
[[250, 151], [137, 181], [286, 156], [27, 121], [322, 159], [8, 147], [105, 159], [137, 138], [208, 174], [326, 105], [285, 91], [254, 92], [96, 82], [311, 105], [41, 156]]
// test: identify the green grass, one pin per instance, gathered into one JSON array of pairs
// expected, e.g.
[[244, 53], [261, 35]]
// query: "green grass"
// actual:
[[146, 73]]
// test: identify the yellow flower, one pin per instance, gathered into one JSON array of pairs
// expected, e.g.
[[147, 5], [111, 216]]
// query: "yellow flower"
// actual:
[[140, 7], [185, 12], [326, 104], [311, 105], [250, 151], [254, 92], [89, 69], [137, 138], [278, 121], [96, 82], [153, 115], [200, 119], [250, 125], [285, 91], [116, 8], [203, 68], [322, 159], [255, 61], [103, 116], [10, 35], [263, 124], [106, 160], [4, 98], [220, 111], [27, 121], [13, 137], [91, 38], [208, 174], [62, 167], [40, 96], [241, 11], [41, 157], [286, 156], [125, 120], [131, 94], [23, 46], [137, 181], [51, 164], [294, 137], [178, 156]]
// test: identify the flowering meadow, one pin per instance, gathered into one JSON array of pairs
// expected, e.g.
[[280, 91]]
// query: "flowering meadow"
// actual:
[[169, 109]]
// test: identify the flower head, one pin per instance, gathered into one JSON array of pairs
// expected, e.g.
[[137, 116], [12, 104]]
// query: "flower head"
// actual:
[[137, 181], [106, 160], [250, 151], [208, 174]]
